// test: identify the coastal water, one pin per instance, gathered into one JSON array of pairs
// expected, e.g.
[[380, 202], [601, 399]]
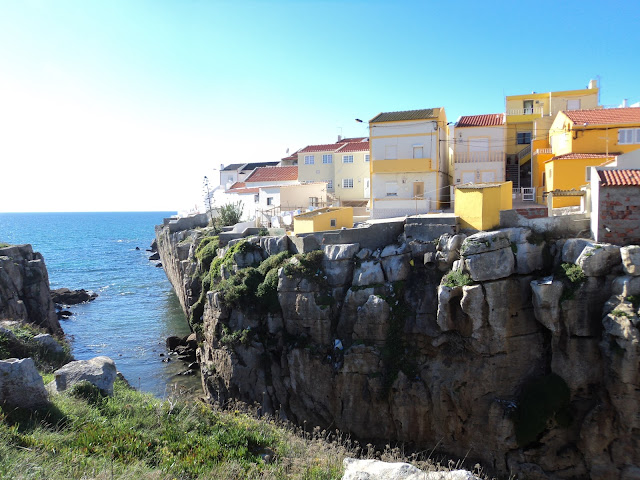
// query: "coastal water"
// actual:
[[136, 308]]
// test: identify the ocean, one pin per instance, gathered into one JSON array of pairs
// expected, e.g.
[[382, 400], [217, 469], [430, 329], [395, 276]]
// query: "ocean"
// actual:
[[136, 308]]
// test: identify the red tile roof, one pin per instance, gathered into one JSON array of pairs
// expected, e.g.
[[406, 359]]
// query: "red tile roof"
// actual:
[[619, 178], [293, 156], [576, 156], [354, 147], [487, 120], [241, 191], [237, 185], [604, 116], [273, 174], [329, 147], [354, 139]]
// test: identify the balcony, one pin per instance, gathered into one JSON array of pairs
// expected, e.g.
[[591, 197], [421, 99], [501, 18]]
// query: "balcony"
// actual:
[[479, 157], [526, 111]]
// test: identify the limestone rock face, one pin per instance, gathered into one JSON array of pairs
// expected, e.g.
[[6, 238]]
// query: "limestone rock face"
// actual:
[[631, 259], [487, 256], [24, 288], [354, 348], [99, 371], [598, 259], [21, 385]]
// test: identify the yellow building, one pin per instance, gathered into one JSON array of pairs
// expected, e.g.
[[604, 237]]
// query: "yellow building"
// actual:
[[323, 219], [478, 205], [409, 162], [586, 138], [343, 166], [528, 119]]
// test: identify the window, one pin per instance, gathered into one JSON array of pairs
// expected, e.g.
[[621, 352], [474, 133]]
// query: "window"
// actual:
[[334, 222], [314, 201], [269, 200], [573, 104], [390, 152], [347, 183], [329, 184], [327, 158], [392, 189], [527, 106], [418, 151], [256, 198], [347, 158], [628, 136], [367, 157], [309, 160], [523, 138]]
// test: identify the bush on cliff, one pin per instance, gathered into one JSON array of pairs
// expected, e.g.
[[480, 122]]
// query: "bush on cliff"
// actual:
[[207, 250], [18, 341]]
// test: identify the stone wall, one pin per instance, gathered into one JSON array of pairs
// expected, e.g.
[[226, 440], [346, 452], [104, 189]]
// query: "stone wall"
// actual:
[[24, 288], [559, 226], [618, 210]]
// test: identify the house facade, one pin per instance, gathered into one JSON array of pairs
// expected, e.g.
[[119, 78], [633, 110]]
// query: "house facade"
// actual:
[[528, 118], [343, 166], [477, 149], [238, 172], [580, 139], [409, 162]]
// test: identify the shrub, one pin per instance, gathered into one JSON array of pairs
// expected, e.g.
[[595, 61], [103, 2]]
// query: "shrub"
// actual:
[[274, 262], [267, 292], [456, 278], [239, 288], [207, 251], [309, 265], [228, 214], [573, 273]]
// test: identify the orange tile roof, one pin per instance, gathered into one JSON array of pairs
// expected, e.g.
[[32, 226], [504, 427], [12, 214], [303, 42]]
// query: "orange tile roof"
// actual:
[[604, 116], [273, 174], [237, 185], [293, 156], [328, 147], [619, 178], [487, 120], [354, 139], [354, 147]]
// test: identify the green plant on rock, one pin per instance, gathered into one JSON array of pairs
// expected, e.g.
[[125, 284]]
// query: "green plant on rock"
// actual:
[[574, 275], [3, 245], [619, 313], [232, 338], [228, 214], [635, 301], [541, 400], [456, 278], [207, 251], [238, 289]]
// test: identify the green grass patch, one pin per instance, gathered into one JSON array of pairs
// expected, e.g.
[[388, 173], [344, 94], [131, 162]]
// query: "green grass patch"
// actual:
[[456, 278], [573, 276], [619, 313], [207, 251], [23, 345]]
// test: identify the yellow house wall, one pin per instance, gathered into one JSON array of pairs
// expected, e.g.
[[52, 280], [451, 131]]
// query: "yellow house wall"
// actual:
[[595, 140], [550, 102], [567, 174], [318, 172], [468, 208], [322, 221], [538, 167], [401, 165], [298, 195], [511, 136], [358, 170], [506, 196]]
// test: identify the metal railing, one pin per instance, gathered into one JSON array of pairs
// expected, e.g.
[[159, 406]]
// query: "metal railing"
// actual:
[[524, 152], [526, 194]]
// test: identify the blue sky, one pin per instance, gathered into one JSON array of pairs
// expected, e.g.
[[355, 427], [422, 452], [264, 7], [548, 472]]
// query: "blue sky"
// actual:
[[126, 105]]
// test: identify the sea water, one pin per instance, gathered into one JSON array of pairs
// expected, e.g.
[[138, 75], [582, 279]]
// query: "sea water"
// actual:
[[136, 309]]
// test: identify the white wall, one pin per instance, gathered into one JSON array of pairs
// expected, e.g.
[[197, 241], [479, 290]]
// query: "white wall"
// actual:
[[404, 145], [405, 190]]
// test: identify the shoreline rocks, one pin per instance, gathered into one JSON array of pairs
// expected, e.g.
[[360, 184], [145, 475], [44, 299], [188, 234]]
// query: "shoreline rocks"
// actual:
[[65, 296]]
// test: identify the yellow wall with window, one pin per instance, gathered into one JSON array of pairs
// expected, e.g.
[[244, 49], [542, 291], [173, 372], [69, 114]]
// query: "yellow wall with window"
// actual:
[[567, 174], [323, 219], [478, 206]]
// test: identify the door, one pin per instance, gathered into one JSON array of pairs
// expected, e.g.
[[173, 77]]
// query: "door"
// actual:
[[418, 189]]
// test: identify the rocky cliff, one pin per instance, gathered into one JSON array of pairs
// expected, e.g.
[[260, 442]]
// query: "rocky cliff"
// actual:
[[24, 288], [504, 347]]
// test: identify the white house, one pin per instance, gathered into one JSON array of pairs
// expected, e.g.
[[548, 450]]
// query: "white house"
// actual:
[[409, 162]]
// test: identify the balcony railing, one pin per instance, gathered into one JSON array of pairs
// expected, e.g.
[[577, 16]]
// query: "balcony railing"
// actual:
[[477, 157], [524, 152], [526, 111], [540, 151]]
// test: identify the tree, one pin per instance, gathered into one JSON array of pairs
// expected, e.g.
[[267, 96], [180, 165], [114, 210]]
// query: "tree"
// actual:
[[229, 214]]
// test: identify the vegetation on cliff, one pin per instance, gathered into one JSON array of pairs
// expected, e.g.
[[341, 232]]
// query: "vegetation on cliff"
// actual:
[[18, 340]]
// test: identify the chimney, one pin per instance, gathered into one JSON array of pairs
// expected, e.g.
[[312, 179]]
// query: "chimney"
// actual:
[[625, 103], [222, 166], [339, 138], [593, 84]]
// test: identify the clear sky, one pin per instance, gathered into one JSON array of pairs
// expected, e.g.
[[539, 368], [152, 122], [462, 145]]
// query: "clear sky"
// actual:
[[127, 105]]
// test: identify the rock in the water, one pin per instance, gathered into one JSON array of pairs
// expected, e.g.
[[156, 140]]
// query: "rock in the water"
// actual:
[[64, 296], [99, 371], [64, 314], [20, 384], [154, 256], [378, 470]]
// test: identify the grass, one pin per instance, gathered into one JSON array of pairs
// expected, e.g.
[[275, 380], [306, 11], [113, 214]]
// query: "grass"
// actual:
[[133, 435], [2, 245], [456, 278]]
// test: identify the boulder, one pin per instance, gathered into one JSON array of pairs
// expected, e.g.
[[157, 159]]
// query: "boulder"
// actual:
[[448, 250], [372, 323], [378, 470], [154, 256], [396, 267], [490, 265], [626, 286], [274, 245], [337, 263], [344, 251], [99, 371], [573, 247], [598, 259], [546, 302], [527, 251], [483, 242], [368, 273], [631, 259], [20, 384], [64, 296], [48, 343]]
